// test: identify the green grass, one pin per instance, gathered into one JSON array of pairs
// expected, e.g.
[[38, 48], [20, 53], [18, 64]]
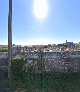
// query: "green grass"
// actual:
[[31, 82], [4, 49]]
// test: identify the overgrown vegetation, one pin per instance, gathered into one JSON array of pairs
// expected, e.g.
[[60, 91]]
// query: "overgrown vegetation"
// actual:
[[34, 82]]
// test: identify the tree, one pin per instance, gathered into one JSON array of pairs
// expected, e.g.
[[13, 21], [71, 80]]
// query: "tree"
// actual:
[[9, 37]]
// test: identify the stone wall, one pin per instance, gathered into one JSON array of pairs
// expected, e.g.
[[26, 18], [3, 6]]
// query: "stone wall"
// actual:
[[68, 65]]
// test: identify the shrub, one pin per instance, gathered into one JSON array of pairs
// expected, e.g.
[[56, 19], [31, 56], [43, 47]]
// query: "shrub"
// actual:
[[16, 68]]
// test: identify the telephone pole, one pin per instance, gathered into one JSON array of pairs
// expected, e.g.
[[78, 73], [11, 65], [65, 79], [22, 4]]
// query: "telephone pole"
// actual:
[[9, 37]]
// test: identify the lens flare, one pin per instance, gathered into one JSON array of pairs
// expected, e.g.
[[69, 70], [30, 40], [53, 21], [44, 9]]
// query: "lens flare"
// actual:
[[40, 9]]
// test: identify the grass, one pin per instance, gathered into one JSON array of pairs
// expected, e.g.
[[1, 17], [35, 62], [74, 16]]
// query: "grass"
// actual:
[[31, 82], [4, 49], [54, 82]]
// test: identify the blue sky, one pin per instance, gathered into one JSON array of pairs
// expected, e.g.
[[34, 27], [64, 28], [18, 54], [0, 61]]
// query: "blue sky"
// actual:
[[62, 22]]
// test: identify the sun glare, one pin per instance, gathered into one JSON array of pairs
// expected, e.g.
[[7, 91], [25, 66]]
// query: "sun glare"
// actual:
[[40, 9]]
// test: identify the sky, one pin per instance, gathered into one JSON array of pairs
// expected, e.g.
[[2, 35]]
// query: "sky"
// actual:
[[61, 23]]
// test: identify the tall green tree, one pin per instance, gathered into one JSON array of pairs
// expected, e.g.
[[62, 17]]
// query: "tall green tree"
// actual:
[[9, 37]]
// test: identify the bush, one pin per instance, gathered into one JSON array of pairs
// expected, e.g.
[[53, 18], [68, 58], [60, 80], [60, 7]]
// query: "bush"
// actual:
[[16, 69]]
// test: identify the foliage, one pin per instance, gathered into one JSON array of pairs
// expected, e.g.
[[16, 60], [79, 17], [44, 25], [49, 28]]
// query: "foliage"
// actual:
[[16, 68], [45, 46], [48, 82], [34, 82]]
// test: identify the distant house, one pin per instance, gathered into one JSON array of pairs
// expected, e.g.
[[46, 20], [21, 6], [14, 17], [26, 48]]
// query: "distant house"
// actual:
[[70, 44]]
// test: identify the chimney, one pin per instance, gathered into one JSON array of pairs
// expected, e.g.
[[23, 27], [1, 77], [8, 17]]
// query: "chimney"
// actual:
[[66, 41]]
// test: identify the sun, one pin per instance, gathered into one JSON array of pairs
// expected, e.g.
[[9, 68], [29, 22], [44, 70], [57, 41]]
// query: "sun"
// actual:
[[40, 9]]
